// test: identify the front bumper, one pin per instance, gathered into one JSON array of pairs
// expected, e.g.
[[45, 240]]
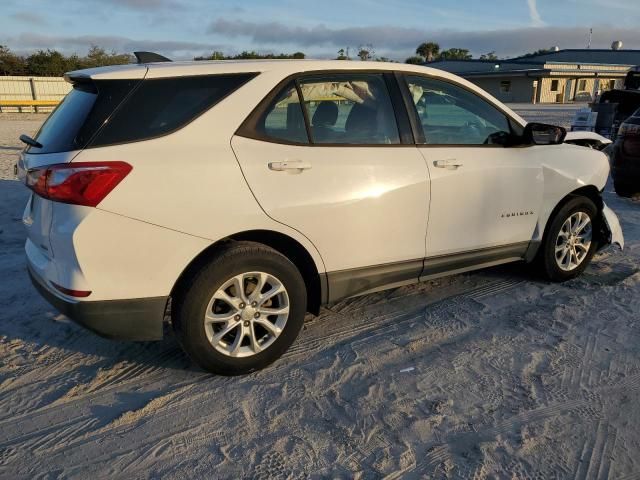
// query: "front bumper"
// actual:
[[130, 319], [613, 226]]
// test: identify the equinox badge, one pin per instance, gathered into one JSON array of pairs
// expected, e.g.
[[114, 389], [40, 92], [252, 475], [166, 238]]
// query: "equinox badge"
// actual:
[[517, 214]]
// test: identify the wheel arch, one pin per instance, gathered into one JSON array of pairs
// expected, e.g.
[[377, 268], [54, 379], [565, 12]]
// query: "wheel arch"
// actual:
[[315, 282], [589, 191]]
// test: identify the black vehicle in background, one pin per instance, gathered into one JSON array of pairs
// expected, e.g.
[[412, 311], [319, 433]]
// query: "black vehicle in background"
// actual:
[[615, 106], [625, 157]]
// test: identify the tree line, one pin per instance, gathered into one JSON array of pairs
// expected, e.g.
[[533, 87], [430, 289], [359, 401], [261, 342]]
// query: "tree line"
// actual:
[[250, 55], [51, 63], [430, 52], [426, 52]]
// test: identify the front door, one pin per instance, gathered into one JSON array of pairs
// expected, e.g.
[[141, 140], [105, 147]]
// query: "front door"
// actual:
[[333, 166], [485, 197]]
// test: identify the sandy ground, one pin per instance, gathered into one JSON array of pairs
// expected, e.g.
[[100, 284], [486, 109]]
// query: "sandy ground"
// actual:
[[492, 374]]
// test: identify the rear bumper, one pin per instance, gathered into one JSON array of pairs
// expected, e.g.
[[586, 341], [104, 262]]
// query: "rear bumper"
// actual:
[[131, 319]]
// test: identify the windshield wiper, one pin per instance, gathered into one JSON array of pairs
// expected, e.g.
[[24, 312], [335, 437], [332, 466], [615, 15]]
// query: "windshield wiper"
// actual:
[[30, 141]]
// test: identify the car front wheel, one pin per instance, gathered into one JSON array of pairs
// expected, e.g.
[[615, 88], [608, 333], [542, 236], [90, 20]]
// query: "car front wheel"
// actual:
[[242, 310], [570, 242]]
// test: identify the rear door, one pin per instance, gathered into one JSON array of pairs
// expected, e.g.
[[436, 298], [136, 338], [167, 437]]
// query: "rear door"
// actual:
[[329, 155]]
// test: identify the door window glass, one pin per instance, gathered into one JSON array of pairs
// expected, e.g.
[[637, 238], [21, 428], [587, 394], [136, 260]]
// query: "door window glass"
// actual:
[[349, 109], [451, 115], [283, 118]]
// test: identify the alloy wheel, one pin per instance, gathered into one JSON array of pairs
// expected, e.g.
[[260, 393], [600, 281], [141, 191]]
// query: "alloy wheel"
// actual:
[[573, 241], [246, 314]]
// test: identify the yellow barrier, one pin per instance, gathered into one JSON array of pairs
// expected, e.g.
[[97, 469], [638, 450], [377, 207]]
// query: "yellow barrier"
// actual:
[[29, 103]]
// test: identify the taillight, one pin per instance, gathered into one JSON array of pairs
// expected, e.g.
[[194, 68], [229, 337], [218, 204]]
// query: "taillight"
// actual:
[[81, 183], [629, 129], [72, 293]]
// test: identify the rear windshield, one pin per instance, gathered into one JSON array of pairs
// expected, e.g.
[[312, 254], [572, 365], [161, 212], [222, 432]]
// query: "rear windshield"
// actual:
[[79, 116], [110, 112]]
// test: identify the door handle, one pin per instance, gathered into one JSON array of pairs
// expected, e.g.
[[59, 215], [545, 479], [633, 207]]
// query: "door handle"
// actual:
[[295, 166], [449, 164]]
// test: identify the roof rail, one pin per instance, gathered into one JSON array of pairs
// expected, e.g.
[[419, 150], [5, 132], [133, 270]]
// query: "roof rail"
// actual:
[[149, 57]]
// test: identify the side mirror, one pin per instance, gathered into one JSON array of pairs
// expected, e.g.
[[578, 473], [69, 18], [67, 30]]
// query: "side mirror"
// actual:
[[543, 134]]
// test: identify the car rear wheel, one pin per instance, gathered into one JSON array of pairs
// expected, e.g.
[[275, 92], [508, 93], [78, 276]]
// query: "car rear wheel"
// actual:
[[570, 241], [242, 310]]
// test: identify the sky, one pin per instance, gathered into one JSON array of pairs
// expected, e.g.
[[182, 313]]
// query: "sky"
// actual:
[[182, 29]]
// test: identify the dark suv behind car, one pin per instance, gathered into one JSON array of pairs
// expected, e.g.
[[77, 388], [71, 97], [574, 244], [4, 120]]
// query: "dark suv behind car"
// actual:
[[625, 157]]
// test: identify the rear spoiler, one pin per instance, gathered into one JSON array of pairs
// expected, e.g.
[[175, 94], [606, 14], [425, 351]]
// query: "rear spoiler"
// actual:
[[81, 81], [115, 72], [150, 57]]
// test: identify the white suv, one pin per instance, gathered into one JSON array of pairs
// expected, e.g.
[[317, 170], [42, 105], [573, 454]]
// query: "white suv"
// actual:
[[250, 193]]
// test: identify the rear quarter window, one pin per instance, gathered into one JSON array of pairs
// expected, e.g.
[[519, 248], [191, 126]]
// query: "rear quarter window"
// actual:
[[161, 106]]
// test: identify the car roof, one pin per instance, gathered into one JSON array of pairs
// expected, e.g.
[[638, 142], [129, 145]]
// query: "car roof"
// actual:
[[212, 67]]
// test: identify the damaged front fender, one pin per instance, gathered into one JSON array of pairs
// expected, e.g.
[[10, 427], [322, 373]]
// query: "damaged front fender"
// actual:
[[587, 139]]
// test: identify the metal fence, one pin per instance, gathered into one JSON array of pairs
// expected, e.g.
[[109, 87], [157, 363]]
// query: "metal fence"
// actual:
[[31, 94]]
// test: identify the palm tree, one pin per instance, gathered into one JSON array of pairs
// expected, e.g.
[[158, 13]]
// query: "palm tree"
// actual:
[[428, 50], [366, 52]]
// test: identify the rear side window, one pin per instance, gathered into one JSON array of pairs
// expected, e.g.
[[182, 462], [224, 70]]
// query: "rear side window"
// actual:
[[161, 106], [81, 114], [343, 108], [350, 108]]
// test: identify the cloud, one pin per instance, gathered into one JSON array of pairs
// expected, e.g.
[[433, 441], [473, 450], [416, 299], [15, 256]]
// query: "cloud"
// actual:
[[625, 5], [278, 33], [321, 41], [145, 4], [536, 19], [28, 42], [30, 18], [400, 42]]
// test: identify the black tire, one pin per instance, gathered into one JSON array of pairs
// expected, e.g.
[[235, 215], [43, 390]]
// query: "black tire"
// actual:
[[623, 190], [547, 257], [190, 305]]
